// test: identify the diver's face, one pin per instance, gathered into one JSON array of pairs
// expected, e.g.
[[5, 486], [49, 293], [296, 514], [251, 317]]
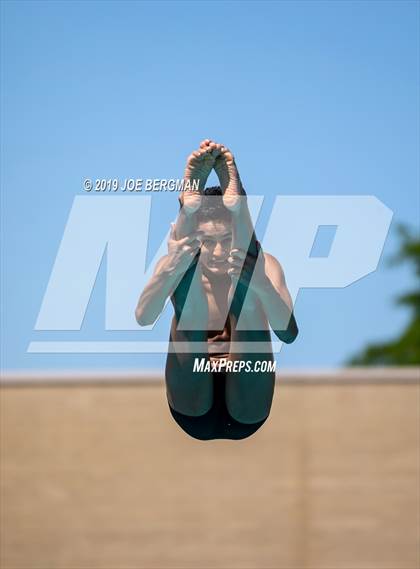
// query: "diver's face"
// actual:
[[216, 245]]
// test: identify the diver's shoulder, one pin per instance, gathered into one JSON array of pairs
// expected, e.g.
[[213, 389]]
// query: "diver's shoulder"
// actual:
[[272, 261]]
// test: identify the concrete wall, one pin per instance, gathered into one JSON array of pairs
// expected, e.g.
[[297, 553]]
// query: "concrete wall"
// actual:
[[100, 476]]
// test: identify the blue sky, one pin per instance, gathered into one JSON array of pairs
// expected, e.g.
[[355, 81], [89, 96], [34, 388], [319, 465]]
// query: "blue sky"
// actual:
[[314, 98]]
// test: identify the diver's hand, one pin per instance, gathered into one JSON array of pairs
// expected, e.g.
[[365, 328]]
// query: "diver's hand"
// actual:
[[248, 270], [181, 252]]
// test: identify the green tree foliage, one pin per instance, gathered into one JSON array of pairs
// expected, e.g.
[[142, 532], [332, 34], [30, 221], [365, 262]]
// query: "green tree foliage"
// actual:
[[404, 350]]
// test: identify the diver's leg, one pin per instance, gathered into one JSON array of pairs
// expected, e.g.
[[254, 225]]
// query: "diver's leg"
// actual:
[[189, 390], [211, 425], [249, 392], [197, 170]]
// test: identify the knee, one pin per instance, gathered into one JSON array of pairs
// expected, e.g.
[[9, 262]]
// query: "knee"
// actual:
[[193, 408], [248, 415]]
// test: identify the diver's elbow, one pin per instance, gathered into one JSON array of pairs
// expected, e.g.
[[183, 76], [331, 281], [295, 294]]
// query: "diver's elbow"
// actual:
[[288, 336], [142, 319]]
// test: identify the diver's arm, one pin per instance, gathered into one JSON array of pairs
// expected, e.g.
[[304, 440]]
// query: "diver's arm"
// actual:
[[264, 277], [158, 289], [167, 275], [276, 300]]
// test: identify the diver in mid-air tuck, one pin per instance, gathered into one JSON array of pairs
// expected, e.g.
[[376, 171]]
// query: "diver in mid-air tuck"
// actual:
[[226, 293]]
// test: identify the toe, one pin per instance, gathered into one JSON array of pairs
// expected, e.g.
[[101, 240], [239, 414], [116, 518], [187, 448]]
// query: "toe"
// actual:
[[227, 154], [196, 155], [204, 153], [217, 150], [192, 157], [213, 149]]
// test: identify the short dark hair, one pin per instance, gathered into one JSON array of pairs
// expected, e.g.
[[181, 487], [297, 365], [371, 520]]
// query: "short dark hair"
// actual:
[[213, 209]]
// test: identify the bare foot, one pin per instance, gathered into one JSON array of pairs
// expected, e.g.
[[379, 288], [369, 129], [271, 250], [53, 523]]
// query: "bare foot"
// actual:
[[199, 165], [229, 179]]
